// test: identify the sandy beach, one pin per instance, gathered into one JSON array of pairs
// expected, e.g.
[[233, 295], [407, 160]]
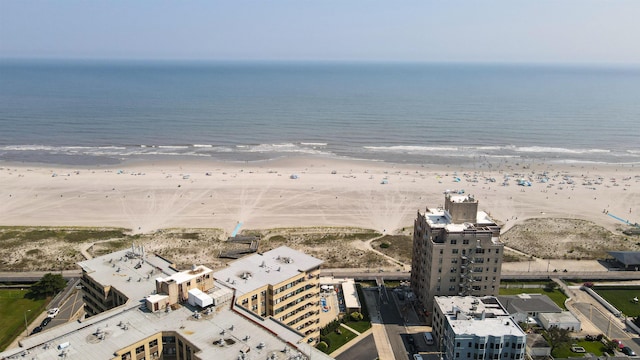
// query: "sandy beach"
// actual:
[[301, 192]]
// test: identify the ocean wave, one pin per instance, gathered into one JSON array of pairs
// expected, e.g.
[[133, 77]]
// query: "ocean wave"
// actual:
[[172, 146], [202, 146], [313, 144], [280, 148], [542, 149], [411, 148]]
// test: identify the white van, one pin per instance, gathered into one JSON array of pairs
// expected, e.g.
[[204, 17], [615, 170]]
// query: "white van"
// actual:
[[428, 337]]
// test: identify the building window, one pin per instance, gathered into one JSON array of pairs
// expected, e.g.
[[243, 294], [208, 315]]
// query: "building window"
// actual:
[[497, 251], [126, 356], [454, 251], [454, 241], [140, 349], [457, 355], [441, 251], [465, 241], [153, 343]]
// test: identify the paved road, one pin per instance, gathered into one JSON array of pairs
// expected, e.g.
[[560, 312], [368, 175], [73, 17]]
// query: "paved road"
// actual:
[[68, 309], [364, 274], [393, 323], [365, 349], [608, 325], [359, 274], [33, 276], [603, 322]]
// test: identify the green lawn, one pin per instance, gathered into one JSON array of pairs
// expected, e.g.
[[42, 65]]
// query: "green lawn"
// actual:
[[621, 297], [556, 295], [13, 305], [564, 351], [359, 326], [336, 340]]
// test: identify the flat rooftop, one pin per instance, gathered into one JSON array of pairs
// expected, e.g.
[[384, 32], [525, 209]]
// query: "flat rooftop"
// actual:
[[128, 271], [270, 268], [238, 334], [440, 218], [479, 316], [184, 276]]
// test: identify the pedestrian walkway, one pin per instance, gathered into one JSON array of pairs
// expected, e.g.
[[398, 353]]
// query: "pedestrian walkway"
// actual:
[[383, 346], [350, 328]]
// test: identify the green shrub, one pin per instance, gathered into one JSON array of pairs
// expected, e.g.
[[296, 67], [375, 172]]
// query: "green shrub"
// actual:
[[384, 245], [356, 316], [322, 346]]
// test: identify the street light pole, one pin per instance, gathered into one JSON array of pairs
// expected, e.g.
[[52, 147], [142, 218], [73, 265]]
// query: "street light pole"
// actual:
[[26, 330]]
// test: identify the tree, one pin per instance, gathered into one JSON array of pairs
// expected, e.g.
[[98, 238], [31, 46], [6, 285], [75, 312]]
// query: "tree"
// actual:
[[558, 336], [550, 286], [48, 285]]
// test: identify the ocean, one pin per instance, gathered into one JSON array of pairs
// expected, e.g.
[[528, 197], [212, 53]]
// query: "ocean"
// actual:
[[100, 112]]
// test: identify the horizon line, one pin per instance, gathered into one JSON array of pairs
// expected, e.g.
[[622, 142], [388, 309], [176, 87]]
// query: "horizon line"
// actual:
[[317, 61]]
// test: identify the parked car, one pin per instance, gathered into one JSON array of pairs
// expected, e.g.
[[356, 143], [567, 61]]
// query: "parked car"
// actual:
[[36, 330], [46, 321], [53, 312], [618, 343], [628, 351]]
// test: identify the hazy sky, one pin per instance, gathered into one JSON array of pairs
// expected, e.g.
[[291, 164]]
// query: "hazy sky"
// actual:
[[567, 31]]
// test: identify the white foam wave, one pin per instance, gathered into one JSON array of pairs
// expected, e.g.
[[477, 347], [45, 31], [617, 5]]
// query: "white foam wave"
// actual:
[[286, 148], [313, 144], [173, 147], [406, 148], [542, 149], [202, 146]]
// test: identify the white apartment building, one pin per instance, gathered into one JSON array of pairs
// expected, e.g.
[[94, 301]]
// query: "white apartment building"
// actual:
[[479, 328]]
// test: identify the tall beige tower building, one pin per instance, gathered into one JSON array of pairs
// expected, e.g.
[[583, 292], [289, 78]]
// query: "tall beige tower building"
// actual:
[[456, 251]]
